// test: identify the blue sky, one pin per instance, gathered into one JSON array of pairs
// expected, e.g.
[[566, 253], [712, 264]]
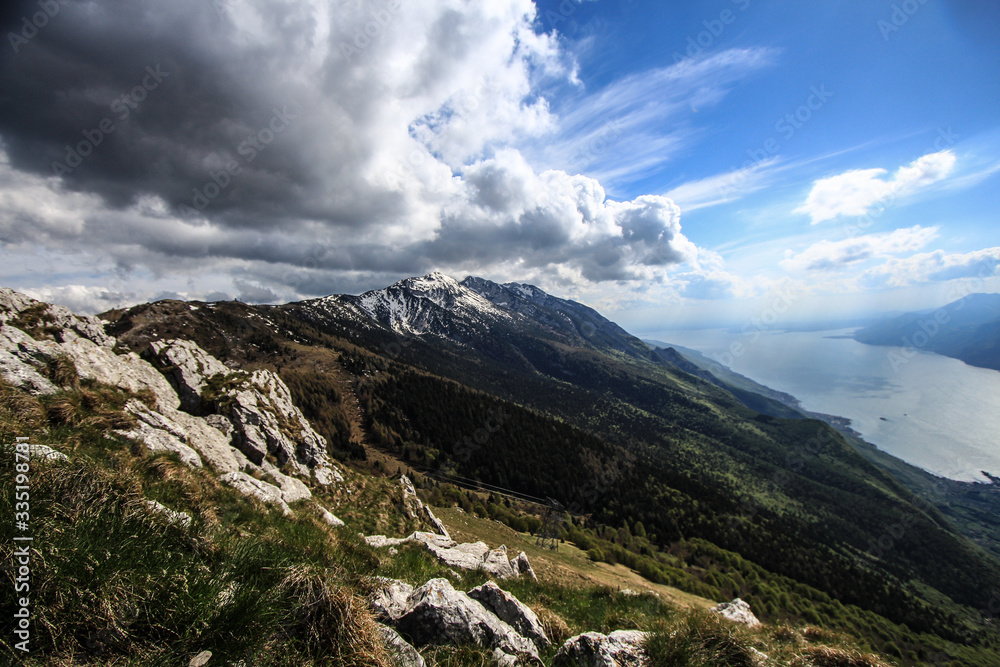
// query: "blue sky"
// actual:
[[820, 89], [672, 164]]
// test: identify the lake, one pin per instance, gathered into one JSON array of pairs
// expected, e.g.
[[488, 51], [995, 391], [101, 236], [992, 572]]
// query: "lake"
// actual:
[[934, 412]]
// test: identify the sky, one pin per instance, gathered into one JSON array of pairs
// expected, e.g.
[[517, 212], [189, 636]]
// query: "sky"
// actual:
[[673, 164]]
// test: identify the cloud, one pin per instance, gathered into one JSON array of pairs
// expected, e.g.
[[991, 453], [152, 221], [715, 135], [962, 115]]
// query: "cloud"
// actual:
[[931, 267], [855, 192], [832, 255], [617, 133], [277, 150]]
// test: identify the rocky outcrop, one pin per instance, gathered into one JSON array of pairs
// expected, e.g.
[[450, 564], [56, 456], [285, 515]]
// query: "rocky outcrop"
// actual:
[[467, 556], [258, 413], [737, 611], [415, 508], [438, 614], [622, 648], [188, 368], [511, 611], [255, 410]]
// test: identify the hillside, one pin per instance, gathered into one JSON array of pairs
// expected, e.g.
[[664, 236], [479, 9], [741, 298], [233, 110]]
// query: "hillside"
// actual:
[[596, 420], [967, 329], [666, 474]]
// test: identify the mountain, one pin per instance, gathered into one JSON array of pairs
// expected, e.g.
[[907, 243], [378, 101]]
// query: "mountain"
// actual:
[[967, 329], [513, 390]]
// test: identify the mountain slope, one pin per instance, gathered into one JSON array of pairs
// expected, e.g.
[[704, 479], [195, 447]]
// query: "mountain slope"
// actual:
[[966, 329], [618, 434]]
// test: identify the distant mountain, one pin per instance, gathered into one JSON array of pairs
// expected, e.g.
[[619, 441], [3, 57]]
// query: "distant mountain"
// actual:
[[967, 329]]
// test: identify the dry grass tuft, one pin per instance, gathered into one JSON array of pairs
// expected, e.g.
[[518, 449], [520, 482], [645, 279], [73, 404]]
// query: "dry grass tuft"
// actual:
[[331, 621], [825, 656], [554, 625]]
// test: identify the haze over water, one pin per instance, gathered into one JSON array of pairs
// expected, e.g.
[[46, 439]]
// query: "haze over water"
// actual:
[[932, 411]]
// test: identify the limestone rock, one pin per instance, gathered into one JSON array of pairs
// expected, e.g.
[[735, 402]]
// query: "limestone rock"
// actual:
[[389, 602], [159, 434], [522, 567], [405, 654], [127, 371], [70, 326], [737, 611], [438, 614], [502, 659], [511, 611], [22, 358], [45, 453], [262, 491], [182, 519], [416, 509], [467, 556], [622, 648], [292, 489], [188, 367], [330, 518]]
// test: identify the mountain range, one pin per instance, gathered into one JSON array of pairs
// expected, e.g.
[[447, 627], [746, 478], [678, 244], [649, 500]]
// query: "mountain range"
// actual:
[[734, 490]]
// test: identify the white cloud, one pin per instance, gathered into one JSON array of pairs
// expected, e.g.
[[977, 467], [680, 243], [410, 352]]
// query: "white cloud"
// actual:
[[401, 153], [854, 193], [937, 266], [830, 255]]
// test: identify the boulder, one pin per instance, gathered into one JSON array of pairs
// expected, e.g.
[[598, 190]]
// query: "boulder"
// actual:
[[182, 519], [400, 649], [622, 648], [467, 556], [522, 567], [389, 601], [438, 614], [45, 453], [415, 508], [737, 611], [255, 488], [127, 371], [511, 611]]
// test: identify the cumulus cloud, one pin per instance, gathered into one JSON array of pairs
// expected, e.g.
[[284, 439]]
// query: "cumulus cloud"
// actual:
[[282, 149], [854, 193], [830, 255]]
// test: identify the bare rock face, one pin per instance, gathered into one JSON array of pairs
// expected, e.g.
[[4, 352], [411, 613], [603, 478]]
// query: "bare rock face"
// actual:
[[188, 368], [622, 648], [737, 611], [511, 611], [438, 614], [160, 433], [22, 358]]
